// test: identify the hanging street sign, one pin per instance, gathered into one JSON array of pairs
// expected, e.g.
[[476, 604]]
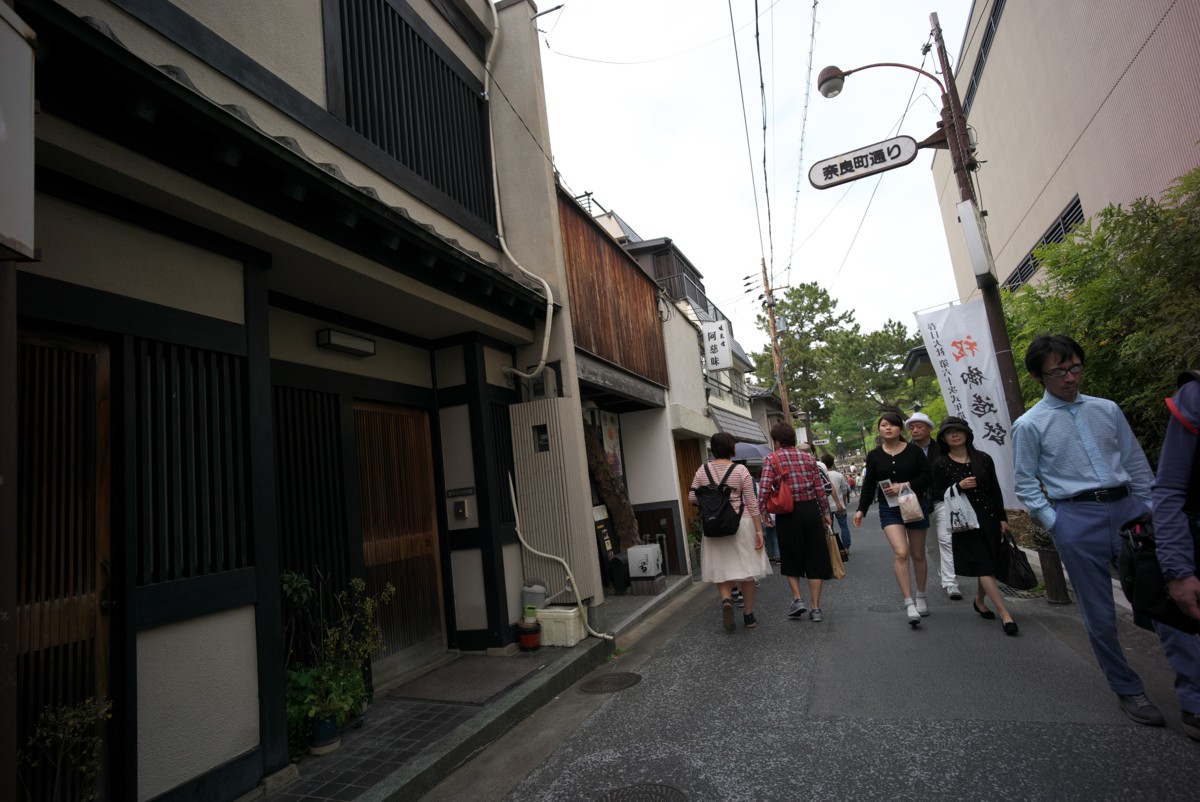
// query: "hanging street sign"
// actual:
[[871, 160], [820, 442]]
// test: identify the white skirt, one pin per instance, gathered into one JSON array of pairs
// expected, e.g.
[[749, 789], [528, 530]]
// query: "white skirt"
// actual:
[[733, 558]]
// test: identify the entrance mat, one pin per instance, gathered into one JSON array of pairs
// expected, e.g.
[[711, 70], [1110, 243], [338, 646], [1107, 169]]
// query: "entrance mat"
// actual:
[[472, 680]]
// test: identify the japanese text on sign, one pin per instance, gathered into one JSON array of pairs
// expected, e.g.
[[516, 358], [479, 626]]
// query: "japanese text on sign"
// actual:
[[886, 155]]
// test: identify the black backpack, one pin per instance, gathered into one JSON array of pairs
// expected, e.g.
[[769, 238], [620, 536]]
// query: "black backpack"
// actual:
[[717, 514]]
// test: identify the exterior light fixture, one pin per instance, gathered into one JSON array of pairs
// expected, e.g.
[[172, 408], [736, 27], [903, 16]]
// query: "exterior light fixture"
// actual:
[[830, 81], [347, 343]]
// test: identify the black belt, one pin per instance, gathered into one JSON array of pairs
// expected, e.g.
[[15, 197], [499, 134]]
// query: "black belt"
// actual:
[[1105, 495]]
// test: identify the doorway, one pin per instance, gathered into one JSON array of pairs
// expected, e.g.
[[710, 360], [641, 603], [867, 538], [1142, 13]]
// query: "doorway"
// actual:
[[63, 540], [400, 534]]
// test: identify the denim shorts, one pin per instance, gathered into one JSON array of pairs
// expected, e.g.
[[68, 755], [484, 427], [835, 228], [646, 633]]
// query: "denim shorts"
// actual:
[[890, 516]]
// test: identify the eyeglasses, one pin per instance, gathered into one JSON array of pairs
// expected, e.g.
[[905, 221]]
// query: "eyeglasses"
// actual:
[[1058, 374]]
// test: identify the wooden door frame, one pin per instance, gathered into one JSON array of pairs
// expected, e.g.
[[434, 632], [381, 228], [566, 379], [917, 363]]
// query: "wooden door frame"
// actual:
[[109, 621]]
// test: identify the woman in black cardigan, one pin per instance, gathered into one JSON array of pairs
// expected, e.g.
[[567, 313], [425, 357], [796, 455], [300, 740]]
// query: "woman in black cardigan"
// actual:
[[902, 465]]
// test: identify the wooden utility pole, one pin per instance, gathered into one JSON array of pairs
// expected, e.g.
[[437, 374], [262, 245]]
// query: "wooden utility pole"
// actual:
[[776, 355]]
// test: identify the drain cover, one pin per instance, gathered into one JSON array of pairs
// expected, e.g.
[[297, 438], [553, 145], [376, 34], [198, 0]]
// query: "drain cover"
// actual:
[[607, 683], [1021, 594], [644, 792], [885, 608]]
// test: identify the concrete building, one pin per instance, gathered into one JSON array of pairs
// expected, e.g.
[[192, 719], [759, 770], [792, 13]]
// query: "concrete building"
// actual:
[[1076, 105]]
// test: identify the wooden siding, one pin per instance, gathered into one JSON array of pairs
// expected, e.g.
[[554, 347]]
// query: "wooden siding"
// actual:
[[688, 459], [614, 306]]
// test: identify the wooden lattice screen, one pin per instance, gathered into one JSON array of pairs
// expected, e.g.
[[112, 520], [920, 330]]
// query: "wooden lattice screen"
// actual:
[[191, 462], [63, 534]]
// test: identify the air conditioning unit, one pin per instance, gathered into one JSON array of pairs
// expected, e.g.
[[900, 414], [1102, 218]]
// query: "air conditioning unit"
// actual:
[[544, 385]]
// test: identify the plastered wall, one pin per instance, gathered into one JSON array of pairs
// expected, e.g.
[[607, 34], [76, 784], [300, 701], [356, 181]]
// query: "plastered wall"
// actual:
[[197, 698]]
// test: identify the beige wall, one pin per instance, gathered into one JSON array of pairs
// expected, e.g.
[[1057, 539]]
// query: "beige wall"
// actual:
[[293, 339], [197, 698], [289, 41], [1077, 97], [470, 604], [458, 465], [87, 248]]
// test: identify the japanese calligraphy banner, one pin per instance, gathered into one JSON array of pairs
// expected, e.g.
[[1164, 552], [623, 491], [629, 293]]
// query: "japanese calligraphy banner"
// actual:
[[959, 343], [718, 355]]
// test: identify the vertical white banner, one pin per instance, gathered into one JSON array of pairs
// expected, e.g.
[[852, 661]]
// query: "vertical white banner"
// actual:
[[959, 343], [718, 355]]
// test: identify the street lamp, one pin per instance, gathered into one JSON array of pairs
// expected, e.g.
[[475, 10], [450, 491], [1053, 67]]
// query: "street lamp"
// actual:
[[952, 135]]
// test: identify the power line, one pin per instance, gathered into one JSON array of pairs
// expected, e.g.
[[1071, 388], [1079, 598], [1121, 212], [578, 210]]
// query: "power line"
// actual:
[[812, 39], [746, 125]]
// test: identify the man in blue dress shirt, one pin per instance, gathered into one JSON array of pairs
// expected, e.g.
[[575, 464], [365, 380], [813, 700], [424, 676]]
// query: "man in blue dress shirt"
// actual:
[[1096, 477]]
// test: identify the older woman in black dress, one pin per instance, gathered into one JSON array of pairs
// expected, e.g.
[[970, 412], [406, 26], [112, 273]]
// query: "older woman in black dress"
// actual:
[[975, 550]]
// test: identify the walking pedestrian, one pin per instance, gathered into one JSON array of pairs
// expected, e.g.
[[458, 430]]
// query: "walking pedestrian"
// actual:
[[803, 550], [976, 551], [892, 466], [738, 559], [1176, 501], [1082, 451], [921, 428], [841, 497]]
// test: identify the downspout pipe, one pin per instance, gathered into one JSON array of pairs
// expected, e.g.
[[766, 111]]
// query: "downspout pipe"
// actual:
[[487, 84]]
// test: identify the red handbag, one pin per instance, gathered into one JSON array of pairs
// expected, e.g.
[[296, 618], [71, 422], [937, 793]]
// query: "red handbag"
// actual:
[[779, 500]]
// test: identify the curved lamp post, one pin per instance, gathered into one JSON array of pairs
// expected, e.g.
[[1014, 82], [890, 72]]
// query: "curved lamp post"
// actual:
[[952, 135]]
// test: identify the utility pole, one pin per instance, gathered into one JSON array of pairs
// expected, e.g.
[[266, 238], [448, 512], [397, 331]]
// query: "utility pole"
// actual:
[[954, 124], [776, 355]]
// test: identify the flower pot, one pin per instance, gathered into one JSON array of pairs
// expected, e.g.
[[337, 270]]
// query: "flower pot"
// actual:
[[1053, 577], [325, 736], [529, 636]]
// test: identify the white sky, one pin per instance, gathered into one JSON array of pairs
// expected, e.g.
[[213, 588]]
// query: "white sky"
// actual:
[[663, 142]]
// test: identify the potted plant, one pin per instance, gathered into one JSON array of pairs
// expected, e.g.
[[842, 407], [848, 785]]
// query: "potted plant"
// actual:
[[63, 757], [324, 696], [329, 657], [1032, 535]]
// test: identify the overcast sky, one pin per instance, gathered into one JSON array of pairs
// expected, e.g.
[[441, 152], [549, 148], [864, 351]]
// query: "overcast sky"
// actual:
[[645, 113]]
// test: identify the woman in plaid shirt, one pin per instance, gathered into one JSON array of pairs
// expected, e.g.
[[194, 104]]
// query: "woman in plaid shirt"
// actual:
[[803, 550]]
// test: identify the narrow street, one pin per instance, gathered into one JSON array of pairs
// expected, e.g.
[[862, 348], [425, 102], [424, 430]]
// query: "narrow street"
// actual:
[[857, 707]]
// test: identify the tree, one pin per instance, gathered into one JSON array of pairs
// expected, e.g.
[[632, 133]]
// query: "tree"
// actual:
[[1126, 286], [866, 371], [810, 319]]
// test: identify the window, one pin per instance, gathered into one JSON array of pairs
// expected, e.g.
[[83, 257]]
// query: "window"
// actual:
[[1058, 231], [985, 47], [405, 92]]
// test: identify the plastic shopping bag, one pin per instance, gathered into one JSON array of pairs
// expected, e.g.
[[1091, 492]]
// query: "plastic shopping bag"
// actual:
[[910, 506], [962, 514]]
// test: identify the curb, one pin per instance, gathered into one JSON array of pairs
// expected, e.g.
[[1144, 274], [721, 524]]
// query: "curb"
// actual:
[[417, 778]]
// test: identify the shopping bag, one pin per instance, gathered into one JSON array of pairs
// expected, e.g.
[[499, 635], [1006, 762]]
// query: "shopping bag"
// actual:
[[1012, 566], [835, 555], [910, 506], [962, 514]]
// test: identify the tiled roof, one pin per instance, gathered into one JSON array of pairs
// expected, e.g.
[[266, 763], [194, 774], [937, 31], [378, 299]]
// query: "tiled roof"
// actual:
[[741, 427]]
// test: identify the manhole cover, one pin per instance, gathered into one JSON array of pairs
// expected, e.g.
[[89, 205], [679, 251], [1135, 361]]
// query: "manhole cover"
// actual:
[[885, 608], [643, 792], [607, 683]]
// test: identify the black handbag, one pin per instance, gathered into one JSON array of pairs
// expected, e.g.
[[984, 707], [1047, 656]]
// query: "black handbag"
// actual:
[[1012, 566], [1142, 579]]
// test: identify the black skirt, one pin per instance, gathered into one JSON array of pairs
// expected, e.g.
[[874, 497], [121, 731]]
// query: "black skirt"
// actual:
[[976, 550]]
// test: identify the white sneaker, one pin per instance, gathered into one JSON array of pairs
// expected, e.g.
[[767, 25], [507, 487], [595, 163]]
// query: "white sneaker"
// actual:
[[954, 593], [922, 607], [914, 618]]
